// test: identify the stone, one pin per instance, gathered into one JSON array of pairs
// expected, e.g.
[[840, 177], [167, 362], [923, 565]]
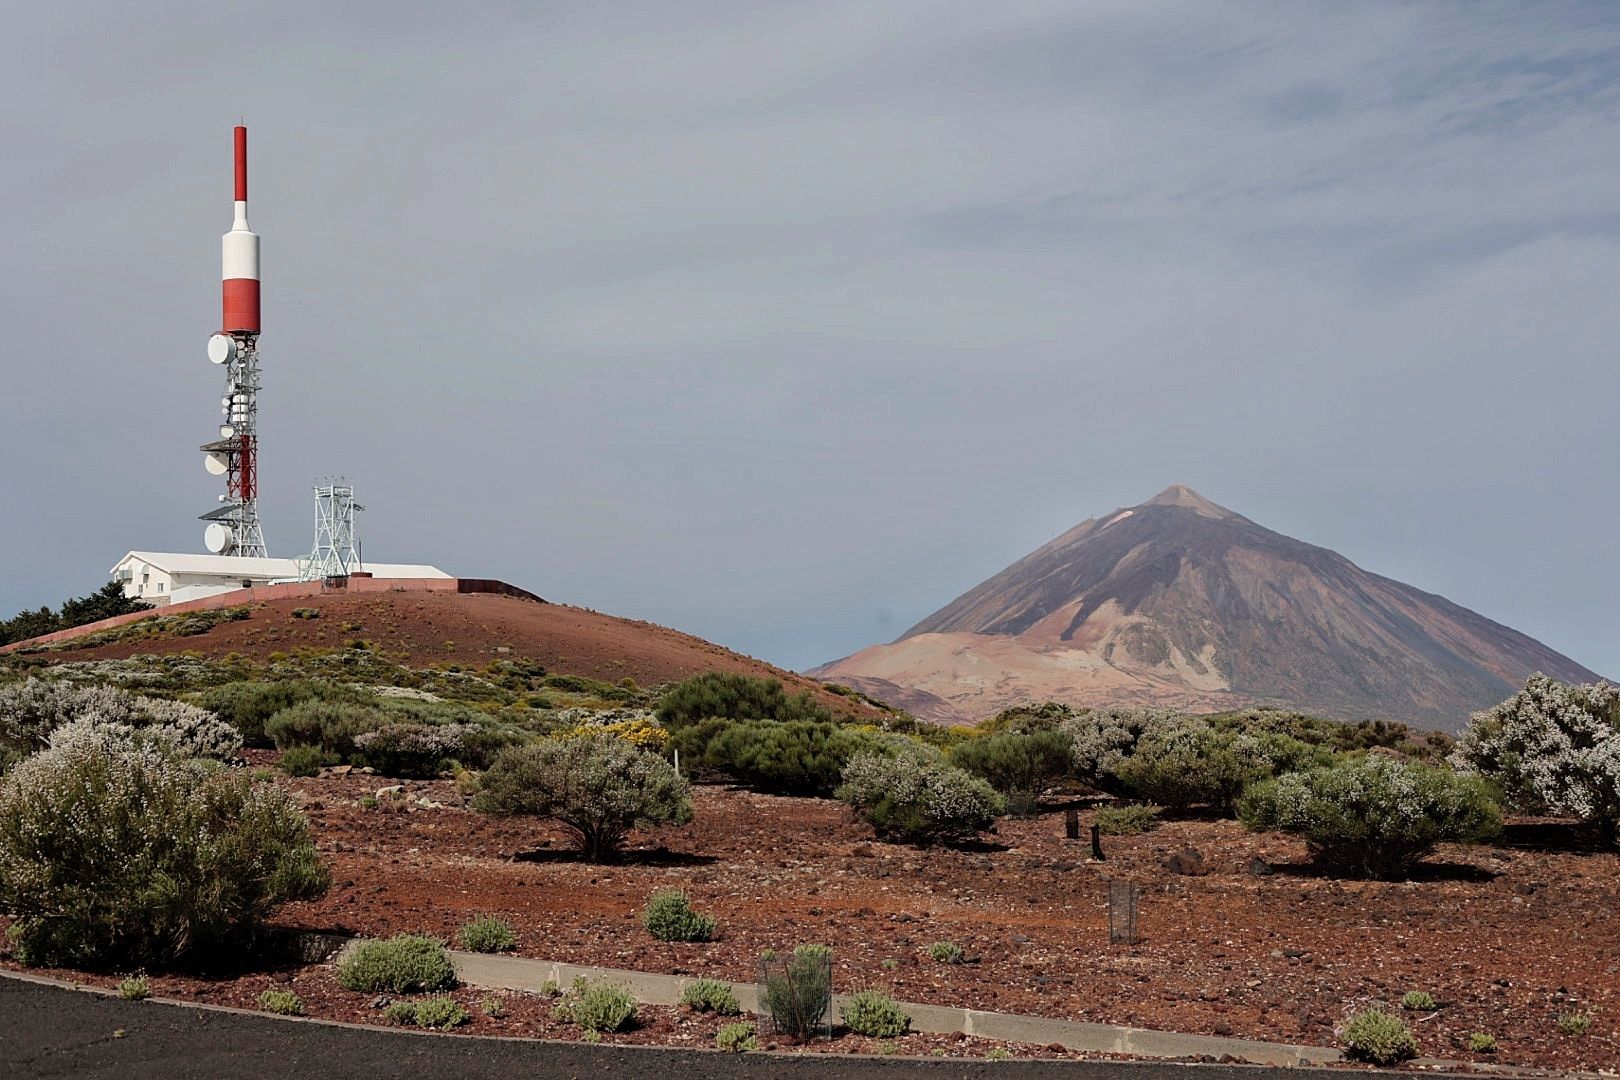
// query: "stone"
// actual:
[[1189, 863], [1260, 867]]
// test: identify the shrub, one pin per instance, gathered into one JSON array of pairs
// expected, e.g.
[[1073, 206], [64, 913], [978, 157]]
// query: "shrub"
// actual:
[[411, 750], [331, 725], [729, 696], [1552, 748], [1574, 1023], [736, 1038], [134, 988], [1378, 1037], [798, 990], [598, 1006], [282, 1002], [1015, 762], [493, 1007], [945, 952], [668, 916], [400, 1012], [1102, 739], [403, 964], [247, 705], [1131, 819], [793, 758], [487, 934], [710, 995], [1417, 1001], [1482, 1042], [306, 760], [917, 795], [306, 613], [868, 1012], [202, 854], [1373, 816], [597, 787], [1194, 763], [440, 1013], [32, 712]]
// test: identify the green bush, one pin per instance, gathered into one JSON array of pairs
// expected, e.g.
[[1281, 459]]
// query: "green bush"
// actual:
[[791, 758], [440, 1013], [1102, 740], [1378, 1037], [868, 1012], [798, 990], [409, 750], [1015, 762], [916, 795], [736, 1038], [403, 964], [1373, 816], [247, 705], [1417, 1001], [331, 725], [598, 787], [668, 916], [116, 851], [1574, 1023], [710, 995], [281, 1002], [400, 1012], [598, 1006], [493, 1007], [729, 696], [1194, 764], [945, 952], [306, 760], [1482, 1042], [1131, 819], [487, 934], [134, 988]]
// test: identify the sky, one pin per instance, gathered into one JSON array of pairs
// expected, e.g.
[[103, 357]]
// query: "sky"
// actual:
[[785, 324]]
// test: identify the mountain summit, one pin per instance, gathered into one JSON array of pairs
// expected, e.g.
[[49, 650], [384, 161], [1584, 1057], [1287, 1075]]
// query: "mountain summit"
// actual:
[[1183, 603]]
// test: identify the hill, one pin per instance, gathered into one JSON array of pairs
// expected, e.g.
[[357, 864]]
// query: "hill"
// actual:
[[1183, 603]]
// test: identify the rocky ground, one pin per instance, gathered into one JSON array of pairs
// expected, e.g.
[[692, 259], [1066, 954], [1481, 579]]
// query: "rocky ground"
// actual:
[[1505, 937]]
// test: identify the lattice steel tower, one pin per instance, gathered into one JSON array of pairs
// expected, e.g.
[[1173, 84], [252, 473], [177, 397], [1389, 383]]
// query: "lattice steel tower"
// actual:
[[337, 546]]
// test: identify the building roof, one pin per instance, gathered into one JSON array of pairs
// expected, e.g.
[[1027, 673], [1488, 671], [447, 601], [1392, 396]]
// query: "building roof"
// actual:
[[171, 562]]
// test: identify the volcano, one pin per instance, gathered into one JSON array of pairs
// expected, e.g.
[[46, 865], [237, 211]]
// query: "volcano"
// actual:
[[1180, 602]]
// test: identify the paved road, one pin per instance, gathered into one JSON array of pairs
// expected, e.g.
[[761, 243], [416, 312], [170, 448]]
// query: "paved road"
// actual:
[[47, 1031]]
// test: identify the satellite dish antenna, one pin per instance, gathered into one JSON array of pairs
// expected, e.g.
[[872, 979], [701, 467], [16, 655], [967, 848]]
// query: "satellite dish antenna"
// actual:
[[221, 349], [215, 464], [226, 431], [217, 537]]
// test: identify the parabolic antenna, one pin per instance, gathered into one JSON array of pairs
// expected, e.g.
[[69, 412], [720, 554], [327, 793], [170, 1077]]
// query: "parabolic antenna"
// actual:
[[217, 537], [221, 348], [226, 431], [216, 464]]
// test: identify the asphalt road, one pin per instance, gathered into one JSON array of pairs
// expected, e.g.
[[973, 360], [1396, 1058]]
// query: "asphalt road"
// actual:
[[47, 1031]]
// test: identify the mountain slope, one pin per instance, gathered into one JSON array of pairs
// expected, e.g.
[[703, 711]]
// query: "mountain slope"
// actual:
[[1182, 602]]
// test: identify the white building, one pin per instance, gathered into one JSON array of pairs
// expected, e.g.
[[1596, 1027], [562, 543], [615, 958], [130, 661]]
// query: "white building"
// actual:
[[165, 577]]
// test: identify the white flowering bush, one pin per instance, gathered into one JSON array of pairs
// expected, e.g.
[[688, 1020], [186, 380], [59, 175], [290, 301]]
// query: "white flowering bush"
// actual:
[[1552, 748], [1102, 739], [117, 851], [598, 787], [1373, 816], [411, 749], [913, 793], [31, 712]]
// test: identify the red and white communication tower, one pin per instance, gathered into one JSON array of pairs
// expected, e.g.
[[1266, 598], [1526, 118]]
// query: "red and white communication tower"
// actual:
[[233, 528]]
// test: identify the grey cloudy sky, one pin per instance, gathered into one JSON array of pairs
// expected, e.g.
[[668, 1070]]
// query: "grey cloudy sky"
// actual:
[[783, 324]]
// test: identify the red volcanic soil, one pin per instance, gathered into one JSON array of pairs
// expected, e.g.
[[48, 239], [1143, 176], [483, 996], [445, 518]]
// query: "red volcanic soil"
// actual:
[[1506, 937], [422, 629]]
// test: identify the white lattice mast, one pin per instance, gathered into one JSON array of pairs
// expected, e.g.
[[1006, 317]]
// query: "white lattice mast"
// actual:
[[337, 545], [234, 529]]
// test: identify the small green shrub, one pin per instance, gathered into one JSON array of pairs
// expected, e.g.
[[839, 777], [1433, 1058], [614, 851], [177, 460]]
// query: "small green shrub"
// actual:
[[1417, 1001], [403, 964], [711, 995], [1193, 763], [798, 989], [915, 794], [998, 1053], [440, 1013], [945, 952], [1482, 1042], [598, 1006], [668, 916], [281, 1002], [736, 1038], [1378, 1037], [134, 988], [1131, 819], [331, 725], [306, 760], [1016, 762], [247, 705], [800, 757], [400, 1012], [868, 1012], [487, 934], [306, 613], [1574, 1023], [493, 1007], [728, 696]]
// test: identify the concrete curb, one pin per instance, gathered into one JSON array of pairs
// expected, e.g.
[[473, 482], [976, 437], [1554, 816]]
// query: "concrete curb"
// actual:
[[521, 973]]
